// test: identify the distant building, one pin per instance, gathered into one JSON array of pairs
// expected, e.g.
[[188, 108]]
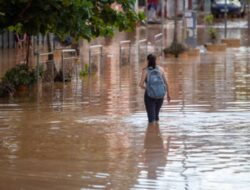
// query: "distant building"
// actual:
[[168, 8], [200, 5], [182, 6]]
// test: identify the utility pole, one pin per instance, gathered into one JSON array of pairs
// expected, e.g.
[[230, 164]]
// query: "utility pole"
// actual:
[[225, 20], [162, 25], [147, 22], [175, 22], [248, 18]]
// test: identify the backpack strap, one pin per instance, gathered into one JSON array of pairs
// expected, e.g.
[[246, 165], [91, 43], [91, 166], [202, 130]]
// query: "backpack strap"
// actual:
[[150, 69]]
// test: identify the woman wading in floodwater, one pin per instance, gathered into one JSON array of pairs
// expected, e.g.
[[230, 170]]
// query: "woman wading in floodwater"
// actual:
[[154, 82]]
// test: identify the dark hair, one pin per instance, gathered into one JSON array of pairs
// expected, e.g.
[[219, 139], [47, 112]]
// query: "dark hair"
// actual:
[[151, 61]]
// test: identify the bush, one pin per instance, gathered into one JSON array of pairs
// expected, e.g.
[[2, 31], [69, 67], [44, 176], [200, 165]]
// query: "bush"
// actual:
[[212, 34], [16, 77], [209, 20], [20, 75], [175, 49], [85, 71]]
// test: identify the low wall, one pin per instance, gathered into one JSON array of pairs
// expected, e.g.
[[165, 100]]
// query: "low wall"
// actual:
[[216, 47], [231, 42]]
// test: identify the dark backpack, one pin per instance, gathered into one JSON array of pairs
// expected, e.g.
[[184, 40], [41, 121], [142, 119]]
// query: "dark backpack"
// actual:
[[156, 87]]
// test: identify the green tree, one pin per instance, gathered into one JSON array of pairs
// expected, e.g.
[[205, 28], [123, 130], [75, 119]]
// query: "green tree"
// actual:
[[85, 19], [175, 48]]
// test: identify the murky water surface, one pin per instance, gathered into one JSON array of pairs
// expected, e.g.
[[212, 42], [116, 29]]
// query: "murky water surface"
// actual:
[[92, 133]]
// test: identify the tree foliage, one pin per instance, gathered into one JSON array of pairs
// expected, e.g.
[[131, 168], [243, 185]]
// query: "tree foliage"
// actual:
[[78, 18]]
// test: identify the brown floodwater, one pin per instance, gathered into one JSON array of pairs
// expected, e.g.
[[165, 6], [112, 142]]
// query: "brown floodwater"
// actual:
[[92, 133]]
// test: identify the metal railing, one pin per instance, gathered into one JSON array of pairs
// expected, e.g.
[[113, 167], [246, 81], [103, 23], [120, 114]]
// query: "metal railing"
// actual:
[[47, 68], [91, 48], [158, 44], [40, 61], [145, 42], [121, 47], [72, 56]]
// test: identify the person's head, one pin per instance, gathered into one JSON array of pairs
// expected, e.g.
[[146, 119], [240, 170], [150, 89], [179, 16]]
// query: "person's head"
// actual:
[[151, 61]]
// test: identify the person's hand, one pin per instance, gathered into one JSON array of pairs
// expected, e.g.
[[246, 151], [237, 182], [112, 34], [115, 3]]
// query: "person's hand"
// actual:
[[168, 98]]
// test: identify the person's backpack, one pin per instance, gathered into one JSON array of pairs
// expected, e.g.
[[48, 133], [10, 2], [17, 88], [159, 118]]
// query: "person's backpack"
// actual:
[[156, 87]]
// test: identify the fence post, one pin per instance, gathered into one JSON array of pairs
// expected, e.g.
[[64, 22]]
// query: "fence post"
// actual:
[[63, 58], [101, 52], [62, 66], [89, 70], [37, 66], [139, 46]]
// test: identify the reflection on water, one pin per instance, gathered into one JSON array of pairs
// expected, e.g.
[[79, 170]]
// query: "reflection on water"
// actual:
[[155, 156], [92, 133]]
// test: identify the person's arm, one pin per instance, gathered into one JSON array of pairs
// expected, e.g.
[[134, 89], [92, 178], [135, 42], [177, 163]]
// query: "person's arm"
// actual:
[[165, 80], [143, 78]]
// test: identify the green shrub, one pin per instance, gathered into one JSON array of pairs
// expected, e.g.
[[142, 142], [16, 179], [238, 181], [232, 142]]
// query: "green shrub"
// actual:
[[175, 49], [85, 71], [209, 19], [213, 35], [20, 75]]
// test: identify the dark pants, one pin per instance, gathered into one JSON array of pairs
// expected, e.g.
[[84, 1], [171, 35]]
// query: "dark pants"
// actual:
[[153, 107]]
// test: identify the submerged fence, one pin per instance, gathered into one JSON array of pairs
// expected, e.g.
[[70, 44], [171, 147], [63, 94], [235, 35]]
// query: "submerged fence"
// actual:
[[93, 51], [48, 66], [45, 65], [67, 56], [142, 45], [124, 56], [158, 44]]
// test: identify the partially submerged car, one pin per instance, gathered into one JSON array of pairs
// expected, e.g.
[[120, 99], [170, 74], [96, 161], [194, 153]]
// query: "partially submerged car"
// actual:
[[233, 7]]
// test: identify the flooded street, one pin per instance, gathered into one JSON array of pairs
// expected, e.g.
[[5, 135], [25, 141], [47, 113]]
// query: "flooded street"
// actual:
[[92, 133]]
